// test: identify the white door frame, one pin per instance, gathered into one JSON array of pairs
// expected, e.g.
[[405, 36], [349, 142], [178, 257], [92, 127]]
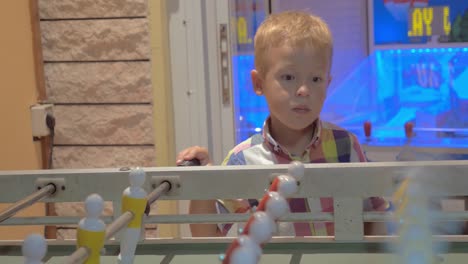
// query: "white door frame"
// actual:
[[200, 116]]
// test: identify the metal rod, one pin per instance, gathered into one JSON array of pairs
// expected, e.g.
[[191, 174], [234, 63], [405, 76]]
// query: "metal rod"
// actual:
[[27, 201], [118, 224], [293, 217], [226, 218], [156, 193], [213, 240], [79, 256], [48, 220]]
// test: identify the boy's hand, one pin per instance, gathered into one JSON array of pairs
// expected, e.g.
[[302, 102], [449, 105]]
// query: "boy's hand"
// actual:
[[195, 152]]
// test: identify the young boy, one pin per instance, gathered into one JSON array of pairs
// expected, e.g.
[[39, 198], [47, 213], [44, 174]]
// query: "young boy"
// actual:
[[293, 55]]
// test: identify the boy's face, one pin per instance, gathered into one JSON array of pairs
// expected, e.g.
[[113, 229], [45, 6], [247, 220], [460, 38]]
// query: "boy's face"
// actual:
[[295, 85]]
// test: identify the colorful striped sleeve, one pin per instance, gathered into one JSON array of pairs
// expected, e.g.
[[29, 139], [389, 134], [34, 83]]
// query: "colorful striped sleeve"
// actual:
[[357, 154]]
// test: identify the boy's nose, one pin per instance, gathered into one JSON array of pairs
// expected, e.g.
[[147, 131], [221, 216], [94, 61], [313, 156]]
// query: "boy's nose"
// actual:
[[303, 91]]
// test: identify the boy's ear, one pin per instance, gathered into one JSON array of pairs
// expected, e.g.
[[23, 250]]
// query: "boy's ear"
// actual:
[[257, 82], [329, 79]]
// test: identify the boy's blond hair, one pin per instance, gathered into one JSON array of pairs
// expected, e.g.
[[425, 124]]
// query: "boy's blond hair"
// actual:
[[295, 28]]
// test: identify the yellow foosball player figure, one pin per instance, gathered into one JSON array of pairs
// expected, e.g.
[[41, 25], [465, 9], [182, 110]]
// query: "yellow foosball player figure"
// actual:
[[133, 200], [91, 230]]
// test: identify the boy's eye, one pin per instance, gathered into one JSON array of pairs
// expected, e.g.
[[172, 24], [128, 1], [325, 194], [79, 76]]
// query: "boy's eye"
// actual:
[[288, 77], [316, 79]]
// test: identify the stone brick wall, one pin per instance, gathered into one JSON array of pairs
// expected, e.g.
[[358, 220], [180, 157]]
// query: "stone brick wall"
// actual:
[[97, 74]]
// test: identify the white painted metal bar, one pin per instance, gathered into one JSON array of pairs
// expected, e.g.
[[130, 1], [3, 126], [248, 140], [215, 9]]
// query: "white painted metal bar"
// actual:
[[320, 180], [348, 219], [27, 201]]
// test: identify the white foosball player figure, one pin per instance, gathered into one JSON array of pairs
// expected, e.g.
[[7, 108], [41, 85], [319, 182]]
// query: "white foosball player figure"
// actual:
[[133, 200], [34, 249], [91, 230]]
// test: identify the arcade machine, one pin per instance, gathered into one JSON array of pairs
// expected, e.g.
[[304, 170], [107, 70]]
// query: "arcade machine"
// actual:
[[415, 76]]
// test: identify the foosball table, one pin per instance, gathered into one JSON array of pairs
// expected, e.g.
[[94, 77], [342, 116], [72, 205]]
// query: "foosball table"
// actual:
[[409, 185]]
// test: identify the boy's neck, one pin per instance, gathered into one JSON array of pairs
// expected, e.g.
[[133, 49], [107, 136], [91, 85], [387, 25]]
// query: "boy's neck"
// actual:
[[294, 141]]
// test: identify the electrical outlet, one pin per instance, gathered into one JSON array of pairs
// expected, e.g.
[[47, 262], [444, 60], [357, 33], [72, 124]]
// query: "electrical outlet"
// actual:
[[38, 119]]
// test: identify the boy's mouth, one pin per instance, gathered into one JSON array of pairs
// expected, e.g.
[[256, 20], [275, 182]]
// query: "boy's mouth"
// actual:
[[301, 109]]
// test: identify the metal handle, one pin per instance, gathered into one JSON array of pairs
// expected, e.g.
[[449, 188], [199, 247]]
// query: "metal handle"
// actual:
[[192, 162], [27, 201]]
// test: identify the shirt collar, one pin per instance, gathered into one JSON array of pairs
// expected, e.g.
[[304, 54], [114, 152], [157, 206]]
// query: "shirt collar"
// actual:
[[275, 146]]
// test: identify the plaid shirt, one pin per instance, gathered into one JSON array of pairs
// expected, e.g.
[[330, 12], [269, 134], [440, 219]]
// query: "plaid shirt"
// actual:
[[329, 144]]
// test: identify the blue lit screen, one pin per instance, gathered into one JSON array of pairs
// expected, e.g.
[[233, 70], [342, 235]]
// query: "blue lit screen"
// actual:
[[428, 87], [251, 110], [393, 21]]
